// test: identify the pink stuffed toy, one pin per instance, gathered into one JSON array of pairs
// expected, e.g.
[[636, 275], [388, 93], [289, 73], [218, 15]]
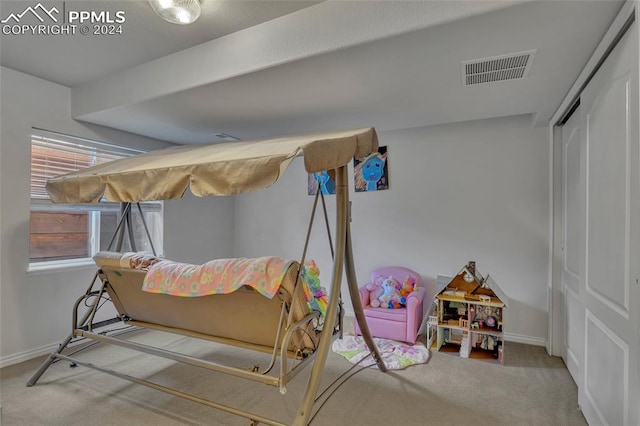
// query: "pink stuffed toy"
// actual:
[[375, 291]]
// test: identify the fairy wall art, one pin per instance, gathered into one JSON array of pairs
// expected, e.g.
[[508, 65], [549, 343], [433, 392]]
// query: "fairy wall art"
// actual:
[[320, 180], [370, 172]]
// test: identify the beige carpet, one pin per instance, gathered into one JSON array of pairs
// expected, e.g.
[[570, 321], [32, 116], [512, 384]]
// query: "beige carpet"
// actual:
[[530, 389]]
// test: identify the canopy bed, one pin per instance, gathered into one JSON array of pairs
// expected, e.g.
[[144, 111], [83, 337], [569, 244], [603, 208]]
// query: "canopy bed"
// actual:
[[277, 314]]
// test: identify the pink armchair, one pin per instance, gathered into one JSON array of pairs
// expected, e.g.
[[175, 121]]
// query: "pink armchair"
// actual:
[[396, 324]]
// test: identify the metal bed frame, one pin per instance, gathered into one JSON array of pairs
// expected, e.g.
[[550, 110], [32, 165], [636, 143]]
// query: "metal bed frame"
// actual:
[[343, 263]]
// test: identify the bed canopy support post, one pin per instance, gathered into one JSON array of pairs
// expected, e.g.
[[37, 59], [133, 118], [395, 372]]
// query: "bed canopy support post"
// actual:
[[118, 235], [333, 257], [125, 220], [358, 310], [146, 230], [132, 238], [304, 412], [343, 256]]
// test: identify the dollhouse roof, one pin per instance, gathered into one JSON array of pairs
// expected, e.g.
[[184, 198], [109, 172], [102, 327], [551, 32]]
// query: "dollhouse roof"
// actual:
[[469, 283], [491, 284]]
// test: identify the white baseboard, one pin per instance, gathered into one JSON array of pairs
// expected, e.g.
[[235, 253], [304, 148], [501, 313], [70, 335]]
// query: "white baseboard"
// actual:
[[527, 340], [27, 355], [43, 350]]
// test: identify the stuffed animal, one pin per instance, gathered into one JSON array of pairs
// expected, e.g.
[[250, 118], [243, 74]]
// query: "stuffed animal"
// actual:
[[390, 297], [314, 293], [408, 286], [375, 291]]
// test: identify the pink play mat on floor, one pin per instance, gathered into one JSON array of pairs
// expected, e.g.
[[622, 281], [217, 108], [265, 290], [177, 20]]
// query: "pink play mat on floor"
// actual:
[[396, 355]]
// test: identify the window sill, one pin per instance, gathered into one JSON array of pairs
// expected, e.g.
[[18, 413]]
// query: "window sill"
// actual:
[[62, 266]]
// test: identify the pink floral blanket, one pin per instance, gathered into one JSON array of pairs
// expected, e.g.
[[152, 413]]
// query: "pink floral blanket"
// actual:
[[396, 355], [220, 276]]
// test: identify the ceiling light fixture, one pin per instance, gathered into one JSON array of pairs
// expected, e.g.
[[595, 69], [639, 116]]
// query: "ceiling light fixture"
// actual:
[[181, 12]]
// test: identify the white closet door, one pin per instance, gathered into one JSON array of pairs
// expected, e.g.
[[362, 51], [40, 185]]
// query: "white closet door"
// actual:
[[602, 238], [573, 226]]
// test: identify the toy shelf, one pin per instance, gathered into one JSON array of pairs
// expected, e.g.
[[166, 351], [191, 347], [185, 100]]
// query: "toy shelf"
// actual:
[[494, 302], [484, 355], [481, 330], [489, 331], [450, 348]]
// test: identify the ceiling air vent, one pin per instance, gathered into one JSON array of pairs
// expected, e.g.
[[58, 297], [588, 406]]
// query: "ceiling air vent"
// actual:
[[497, 68]]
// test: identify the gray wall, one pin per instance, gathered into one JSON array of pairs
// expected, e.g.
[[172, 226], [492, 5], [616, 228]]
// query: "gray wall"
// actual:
[[35, 309], [468, 191]]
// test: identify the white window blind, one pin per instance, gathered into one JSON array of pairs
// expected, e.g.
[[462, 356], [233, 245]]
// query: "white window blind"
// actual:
[[63, 235], [53, 155]]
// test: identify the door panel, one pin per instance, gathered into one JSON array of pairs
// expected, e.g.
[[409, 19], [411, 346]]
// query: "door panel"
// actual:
[[609, 293], [608, 181], [574, 333], [606, 370], [573, 221], [574, 208], [601, 240]]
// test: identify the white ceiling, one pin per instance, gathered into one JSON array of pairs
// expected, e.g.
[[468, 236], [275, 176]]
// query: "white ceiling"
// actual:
[[262, 68], [71, 60]]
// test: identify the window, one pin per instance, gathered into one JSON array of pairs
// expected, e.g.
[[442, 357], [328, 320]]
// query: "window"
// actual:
[[68, 234]]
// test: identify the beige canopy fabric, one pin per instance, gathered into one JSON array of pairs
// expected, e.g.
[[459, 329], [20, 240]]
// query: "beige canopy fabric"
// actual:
[[215, 169]]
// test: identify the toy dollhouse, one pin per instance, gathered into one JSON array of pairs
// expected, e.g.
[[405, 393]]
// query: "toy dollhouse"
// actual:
[[466, 317]]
